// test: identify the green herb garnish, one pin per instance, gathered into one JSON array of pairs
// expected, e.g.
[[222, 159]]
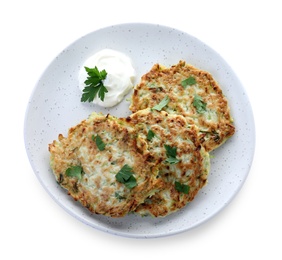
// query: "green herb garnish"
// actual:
[[150, 135], [75, 171], [99, 142], [181, 187], [118, 196], [188, 82], [94, 85], [162, 104], [171, 154], [199, 104], [125, 175]]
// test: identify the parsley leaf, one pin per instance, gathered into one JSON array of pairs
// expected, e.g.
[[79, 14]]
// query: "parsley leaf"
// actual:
[[171, 154], [131, 182], [99, 142], [188, 82], [170, 151], [94, 85], [199, 104], [125, 175], [182, 187], [172, 160], [75, 171], [150, 135], [119, 197], [162, 104]]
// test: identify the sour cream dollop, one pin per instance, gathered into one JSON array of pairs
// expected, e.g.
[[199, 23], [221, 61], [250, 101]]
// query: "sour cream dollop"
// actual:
[[120, 75]]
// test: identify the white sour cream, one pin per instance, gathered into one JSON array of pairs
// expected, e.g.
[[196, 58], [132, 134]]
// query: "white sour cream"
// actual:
[[120, 75]]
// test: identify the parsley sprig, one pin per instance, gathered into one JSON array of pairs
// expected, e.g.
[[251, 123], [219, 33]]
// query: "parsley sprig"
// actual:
[[188, 82], [125, 175], [94, 85], [150, 135], [75, 171], [162, 104], [171, 154], [199, 104], [99, 142], [182, 187]]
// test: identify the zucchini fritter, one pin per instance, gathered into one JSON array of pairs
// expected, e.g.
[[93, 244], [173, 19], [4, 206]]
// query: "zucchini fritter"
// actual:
[[183, 162], [101, 166], [194, 94]]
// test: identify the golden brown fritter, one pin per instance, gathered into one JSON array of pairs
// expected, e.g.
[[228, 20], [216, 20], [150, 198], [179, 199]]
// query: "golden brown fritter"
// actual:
[[183, 162], [194, 94], [101, 166]]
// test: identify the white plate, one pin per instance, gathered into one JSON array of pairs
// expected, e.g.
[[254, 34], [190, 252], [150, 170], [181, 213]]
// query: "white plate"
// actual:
[[55, 106]]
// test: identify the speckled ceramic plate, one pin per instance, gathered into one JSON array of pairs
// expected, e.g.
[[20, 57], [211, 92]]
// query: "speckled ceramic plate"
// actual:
[[55, 106]]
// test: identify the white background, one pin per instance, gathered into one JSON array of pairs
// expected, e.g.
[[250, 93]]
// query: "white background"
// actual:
[[247, 34]]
